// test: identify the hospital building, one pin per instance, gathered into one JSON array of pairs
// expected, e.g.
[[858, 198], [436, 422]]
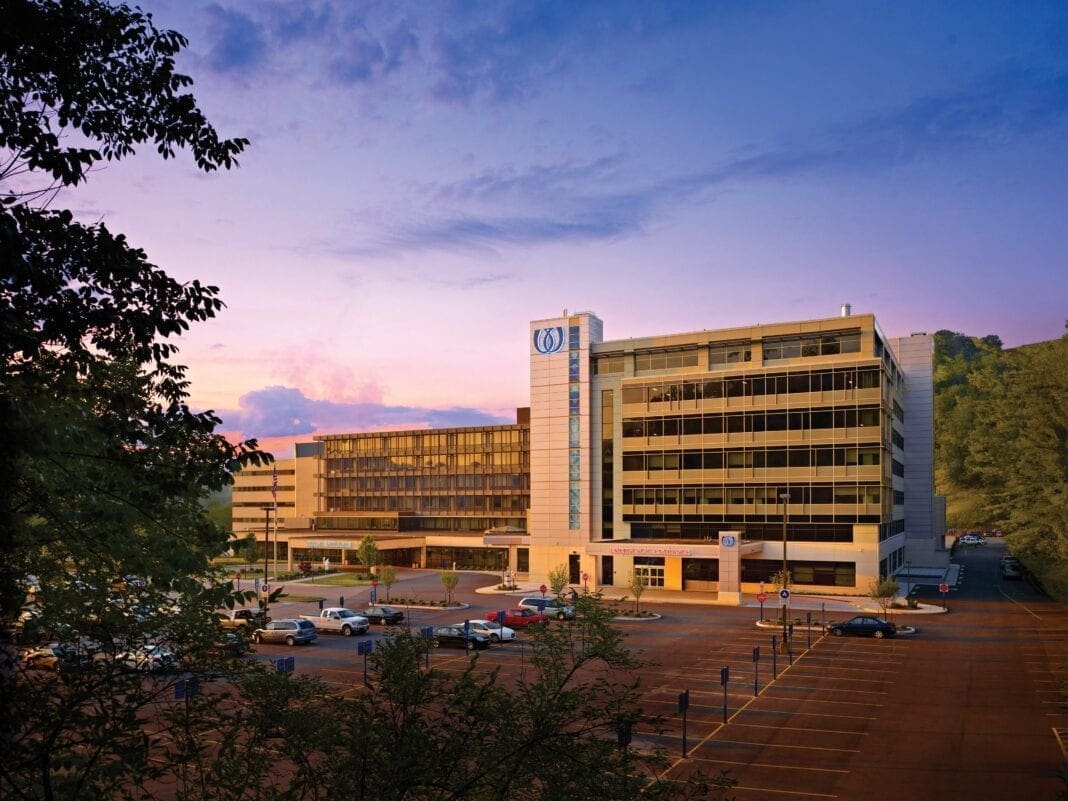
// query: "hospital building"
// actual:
[[701, 461]]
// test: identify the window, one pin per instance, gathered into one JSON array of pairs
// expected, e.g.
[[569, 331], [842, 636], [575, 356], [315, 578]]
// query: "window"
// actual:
[[730, 353], [608, 364]]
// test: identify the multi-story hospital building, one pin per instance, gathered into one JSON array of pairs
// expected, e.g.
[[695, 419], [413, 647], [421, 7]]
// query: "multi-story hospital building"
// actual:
[[701, 461]]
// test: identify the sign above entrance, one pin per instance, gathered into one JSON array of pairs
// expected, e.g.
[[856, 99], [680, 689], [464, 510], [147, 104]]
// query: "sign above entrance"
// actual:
[[728, 540]]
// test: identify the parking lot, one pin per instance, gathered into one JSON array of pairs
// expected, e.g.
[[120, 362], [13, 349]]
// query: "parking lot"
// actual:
[[970, 707]]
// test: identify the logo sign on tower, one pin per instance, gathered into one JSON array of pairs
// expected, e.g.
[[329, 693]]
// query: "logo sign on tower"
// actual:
[[548, 340]]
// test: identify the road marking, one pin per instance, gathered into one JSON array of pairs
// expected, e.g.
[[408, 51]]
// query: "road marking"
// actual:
[[1060, 734], [795, 747], [799, 728], [765, 765]]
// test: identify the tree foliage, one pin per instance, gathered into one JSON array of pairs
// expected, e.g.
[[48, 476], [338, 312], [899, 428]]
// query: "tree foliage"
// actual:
[[106, 466], [558, 580], [449, 580], [1001, 433], [368, 552], [883, 592]]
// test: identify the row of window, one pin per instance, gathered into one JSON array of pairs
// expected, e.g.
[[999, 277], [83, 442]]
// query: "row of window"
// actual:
[[428, 503], [829, 344], [756, 421], [826, 456], [478, 524], [834, 574], [403, 464], [263, 488], [781, 384], [709, 531], [793, 347], [433, 442], [717, 494], [429, 483]]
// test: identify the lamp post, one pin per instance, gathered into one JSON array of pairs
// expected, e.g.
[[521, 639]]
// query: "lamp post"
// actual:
[[784, 497], [266, 553]]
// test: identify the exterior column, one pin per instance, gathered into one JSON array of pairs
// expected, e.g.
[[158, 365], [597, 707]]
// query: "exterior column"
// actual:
[[730, 568]]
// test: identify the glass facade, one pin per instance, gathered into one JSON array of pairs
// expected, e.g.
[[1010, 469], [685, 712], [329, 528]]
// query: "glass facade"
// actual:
[[461, 479]]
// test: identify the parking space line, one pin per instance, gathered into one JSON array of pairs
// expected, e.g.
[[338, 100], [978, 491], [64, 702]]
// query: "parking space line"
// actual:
[[835, 689], [773, 766], [809, 714], [799, 728], [794, 747], [764, 694], [783, 792]]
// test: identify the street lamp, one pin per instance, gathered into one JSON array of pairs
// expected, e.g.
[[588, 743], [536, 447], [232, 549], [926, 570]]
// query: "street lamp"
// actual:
[[784, 497], [266, 553]]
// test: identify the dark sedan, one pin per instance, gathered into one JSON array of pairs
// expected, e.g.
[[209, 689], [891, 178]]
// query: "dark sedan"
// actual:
[[383, 615], [457, 637], [863, 626]]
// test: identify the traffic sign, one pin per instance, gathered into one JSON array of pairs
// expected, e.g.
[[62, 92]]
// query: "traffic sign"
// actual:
[[943, 588], [585, 576], [374, 581], [784, 594], [762, 597], [543, 589], [265, 588], [374, 595]]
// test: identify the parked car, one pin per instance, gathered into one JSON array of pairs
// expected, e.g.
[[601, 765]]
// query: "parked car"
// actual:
[[383, 615], [147, 657], [241, 618], [972, 539], [456, 637], [290, 631], [520, 617], [550, 606], [491, 628], [339, 620], [55, 656], [863, 626], [1011, 570]]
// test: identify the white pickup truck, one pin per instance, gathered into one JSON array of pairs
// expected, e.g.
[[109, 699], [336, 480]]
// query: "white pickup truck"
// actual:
[[340, 620]]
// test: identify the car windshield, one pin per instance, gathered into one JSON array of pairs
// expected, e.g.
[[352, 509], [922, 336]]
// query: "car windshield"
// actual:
[[346, 613]]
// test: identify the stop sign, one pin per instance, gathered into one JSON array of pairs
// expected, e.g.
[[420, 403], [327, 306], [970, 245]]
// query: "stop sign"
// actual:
[[374, 582], [762, 597], [543, 589], [943, 588]]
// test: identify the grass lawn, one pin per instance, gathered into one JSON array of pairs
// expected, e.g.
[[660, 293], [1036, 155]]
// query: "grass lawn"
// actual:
[[338, 580]]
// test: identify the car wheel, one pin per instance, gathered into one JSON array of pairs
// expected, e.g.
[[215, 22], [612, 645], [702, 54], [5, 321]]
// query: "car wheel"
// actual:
[[837, 632], [346, 630], [494, 638], [290, 640], [559, 615], [878, 634], [435, 644]]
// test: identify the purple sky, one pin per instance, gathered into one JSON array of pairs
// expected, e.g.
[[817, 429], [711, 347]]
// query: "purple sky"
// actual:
[[425, 178]]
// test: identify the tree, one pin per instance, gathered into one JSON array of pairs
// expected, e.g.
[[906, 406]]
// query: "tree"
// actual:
[[368, 553], [387, 575], [106, 466], [637, 582], [449, 580], [439, 734], [558, 580], [883, 592]]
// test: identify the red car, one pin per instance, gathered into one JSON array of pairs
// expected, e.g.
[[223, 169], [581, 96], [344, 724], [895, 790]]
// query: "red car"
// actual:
[[520, 617]]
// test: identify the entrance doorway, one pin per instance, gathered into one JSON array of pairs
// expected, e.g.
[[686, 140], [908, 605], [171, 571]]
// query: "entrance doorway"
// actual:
[[574, 570]]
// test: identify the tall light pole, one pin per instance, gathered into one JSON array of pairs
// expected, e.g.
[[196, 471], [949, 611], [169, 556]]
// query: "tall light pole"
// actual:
[[266, 554], [784, 497]]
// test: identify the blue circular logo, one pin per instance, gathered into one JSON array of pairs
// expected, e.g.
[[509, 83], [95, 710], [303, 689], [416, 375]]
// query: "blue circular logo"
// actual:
[[548, 340], [728, 541]]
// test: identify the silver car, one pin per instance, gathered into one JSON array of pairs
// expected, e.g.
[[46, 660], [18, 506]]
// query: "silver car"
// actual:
[[290, 631], [492, 629]]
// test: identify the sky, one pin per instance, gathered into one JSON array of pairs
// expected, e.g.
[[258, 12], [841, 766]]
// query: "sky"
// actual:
[[425, 178]]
